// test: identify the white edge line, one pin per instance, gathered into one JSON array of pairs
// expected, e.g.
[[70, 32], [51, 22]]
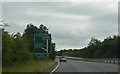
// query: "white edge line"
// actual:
[[55, 68]]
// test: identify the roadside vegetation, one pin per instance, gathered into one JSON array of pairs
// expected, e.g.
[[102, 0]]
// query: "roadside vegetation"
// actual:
[[30, 66], [18, 50], [108, 48]]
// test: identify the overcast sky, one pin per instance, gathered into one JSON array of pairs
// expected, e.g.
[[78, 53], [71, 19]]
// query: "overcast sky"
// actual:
[[72, 24]]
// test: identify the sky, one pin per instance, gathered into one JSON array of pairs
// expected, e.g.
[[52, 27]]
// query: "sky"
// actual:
[[71, 23]]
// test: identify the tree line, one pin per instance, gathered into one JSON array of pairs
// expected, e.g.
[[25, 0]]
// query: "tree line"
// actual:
[[108, 48], [20, 47]]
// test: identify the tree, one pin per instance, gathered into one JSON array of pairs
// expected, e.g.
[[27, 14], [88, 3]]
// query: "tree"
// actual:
[[97, 49], [7, 51], [93, 41], [30, 31], [52, 54], [14, 49], [19, 48], [29, 34], [43, 29]]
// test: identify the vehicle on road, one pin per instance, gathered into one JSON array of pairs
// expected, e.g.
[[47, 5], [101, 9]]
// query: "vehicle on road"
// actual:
[[63, 59]]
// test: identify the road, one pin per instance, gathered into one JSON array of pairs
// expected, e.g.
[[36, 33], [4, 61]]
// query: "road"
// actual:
[[83, 66]]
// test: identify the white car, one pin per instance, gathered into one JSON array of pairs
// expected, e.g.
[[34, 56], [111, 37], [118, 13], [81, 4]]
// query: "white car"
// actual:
[[63, 59]]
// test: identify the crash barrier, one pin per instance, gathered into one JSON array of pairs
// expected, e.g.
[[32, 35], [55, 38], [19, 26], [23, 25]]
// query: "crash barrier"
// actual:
[[102, 60]]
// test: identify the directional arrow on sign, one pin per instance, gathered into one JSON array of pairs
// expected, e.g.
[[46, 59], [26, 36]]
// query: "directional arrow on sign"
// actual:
[[44, 49]]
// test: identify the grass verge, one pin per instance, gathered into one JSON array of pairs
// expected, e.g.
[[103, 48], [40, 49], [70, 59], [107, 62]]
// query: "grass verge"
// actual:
[[30, 66]]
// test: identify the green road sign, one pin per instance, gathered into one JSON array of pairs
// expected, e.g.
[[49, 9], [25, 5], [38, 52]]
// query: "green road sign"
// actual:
[[42, 44]]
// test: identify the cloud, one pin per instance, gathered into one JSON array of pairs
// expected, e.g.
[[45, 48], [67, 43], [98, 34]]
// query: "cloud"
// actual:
[[60, 0], [15, 27], [58, 15], [72, 24], [0, 10]]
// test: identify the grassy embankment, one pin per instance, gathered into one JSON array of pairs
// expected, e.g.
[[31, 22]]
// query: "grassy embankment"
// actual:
[[30, 66]]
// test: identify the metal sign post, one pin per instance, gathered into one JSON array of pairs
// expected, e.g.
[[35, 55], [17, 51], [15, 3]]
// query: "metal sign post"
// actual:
[[47, 45]]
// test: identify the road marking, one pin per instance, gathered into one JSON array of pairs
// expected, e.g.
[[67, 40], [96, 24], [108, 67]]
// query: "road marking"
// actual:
[[55, 68]]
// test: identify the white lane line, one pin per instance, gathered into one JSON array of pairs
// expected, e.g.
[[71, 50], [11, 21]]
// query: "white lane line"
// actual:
[[55, 68]]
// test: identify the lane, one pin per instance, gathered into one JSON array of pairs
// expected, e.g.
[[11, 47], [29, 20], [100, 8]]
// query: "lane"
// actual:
[[83, 66]]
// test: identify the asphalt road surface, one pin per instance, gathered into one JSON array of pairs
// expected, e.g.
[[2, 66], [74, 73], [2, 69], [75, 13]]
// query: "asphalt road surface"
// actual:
[[84, 66]]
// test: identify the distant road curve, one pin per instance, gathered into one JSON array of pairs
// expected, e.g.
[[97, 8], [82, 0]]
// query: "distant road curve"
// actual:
[[85, 66]]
